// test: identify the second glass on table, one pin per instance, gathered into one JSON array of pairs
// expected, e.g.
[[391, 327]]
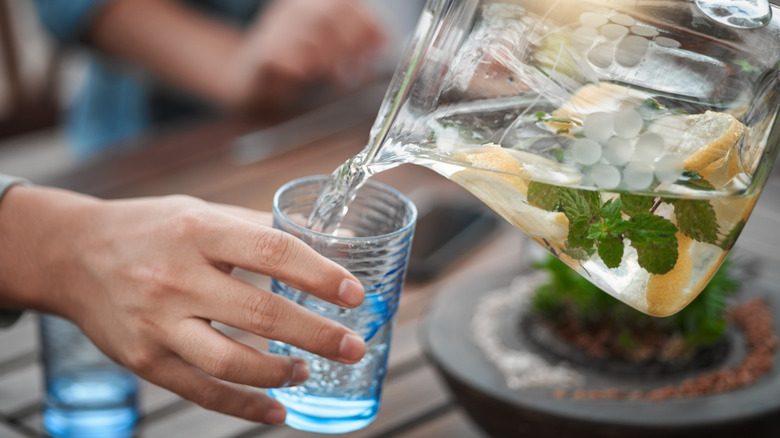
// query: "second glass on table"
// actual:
[[373, 243], [87, 394]]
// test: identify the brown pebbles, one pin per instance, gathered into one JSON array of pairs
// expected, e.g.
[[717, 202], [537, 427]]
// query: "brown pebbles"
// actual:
[[754, 319]]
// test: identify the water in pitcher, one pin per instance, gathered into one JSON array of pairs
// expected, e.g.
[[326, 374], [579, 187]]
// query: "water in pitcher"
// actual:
[[632, 149]]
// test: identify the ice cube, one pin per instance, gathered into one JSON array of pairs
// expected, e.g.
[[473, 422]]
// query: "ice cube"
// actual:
[[602, 55], [592, 19], [623, 19], [613, 31], [669, 168], [638, 175], [599, 126], [586, 151], [644, 31], [649, 147], [667, 42], [618, 151], [605, 176], [628, 123], [631, 50]]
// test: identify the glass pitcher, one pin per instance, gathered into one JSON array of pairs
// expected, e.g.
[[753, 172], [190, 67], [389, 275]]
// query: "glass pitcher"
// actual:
[[629, 138]]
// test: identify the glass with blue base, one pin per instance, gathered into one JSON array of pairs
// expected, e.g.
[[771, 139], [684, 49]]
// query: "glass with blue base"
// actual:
[[373, 243], [87, 394]]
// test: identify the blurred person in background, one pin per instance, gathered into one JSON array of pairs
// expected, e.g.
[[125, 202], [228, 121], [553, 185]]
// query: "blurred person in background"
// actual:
[[158, 61]]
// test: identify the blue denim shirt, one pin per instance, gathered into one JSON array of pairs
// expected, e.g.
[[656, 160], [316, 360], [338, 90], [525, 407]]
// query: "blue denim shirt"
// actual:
[[117, 103]]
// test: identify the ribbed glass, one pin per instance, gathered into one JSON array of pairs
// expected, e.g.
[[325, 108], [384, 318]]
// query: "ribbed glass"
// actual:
[[87, 394], [373, 243]]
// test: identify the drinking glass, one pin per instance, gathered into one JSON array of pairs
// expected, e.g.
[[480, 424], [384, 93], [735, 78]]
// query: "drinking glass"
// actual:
[[373, 243], [87, 394]]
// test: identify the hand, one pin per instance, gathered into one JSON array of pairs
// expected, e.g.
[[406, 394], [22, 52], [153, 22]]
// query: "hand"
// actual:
[[145, 277], [297, 43]]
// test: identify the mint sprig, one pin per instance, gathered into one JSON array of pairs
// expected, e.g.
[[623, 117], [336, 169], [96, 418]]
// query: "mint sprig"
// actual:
[[608, 232], [603, 227], [582, 208], [729, 240], [579, 204], [655, 241], [696, 219], [694, 181], [635, 204], [610, 249]]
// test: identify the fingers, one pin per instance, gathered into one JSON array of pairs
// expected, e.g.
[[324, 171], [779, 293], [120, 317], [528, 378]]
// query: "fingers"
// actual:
[[259, 217], [211, 393], [282, 256], [226, 359], [330, 39], [266, 314], [353, 39], [360, 33], [242, 243]]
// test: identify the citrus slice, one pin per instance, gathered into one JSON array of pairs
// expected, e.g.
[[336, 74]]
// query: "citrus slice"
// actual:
[[509, 201], [499, 178], [730, 212], [702, 139], [494, 157], [519, 167], [723, 170], [664, 292], [669, 293], [594, 98]]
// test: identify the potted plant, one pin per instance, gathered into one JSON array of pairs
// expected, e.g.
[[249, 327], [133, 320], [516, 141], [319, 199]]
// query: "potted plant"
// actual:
[[546, 353], [574, 320]]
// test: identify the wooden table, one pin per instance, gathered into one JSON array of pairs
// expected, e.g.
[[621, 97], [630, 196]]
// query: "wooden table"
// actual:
[[199, 160]]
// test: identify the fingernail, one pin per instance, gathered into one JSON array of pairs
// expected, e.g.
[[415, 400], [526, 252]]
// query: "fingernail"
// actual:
[[275, 415], [300, 373], [350, 292], [352, 348]]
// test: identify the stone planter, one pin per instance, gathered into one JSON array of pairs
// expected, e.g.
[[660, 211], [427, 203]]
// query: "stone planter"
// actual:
[[543, 409]]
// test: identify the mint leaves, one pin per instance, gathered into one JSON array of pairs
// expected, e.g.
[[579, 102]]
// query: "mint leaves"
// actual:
[[731, 237], [609, 233], [696, 219], [603, 227], [655, 241], [545, 196]]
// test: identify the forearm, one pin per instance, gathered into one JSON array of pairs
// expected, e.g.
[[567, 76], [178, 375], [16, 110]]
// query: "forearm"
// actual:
[[172, 41], [35, 224]]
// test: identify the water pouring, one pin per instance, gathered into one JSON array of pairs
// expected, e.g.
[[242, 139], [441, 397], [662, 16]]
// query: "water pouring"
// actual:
[[630, 139]]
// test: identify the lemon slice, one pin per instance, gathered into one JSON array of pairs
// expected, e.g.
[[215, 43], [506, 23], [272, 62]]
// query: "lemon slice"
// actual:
[[520, 166], [669, 293], [593, 98], [701, 139], [664, 292], [494, 157], [500, 178], [509, 201], [730, 211], [723, 170]]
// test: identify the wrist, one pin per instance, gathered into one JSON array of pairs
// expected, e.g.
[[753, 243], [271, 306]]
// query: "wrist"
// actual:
[[40, 226]]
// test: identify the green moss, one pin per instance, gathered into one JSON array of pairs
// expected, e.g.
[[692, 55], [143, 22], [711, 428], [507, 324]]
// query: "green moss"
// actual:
[[568, 297]]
